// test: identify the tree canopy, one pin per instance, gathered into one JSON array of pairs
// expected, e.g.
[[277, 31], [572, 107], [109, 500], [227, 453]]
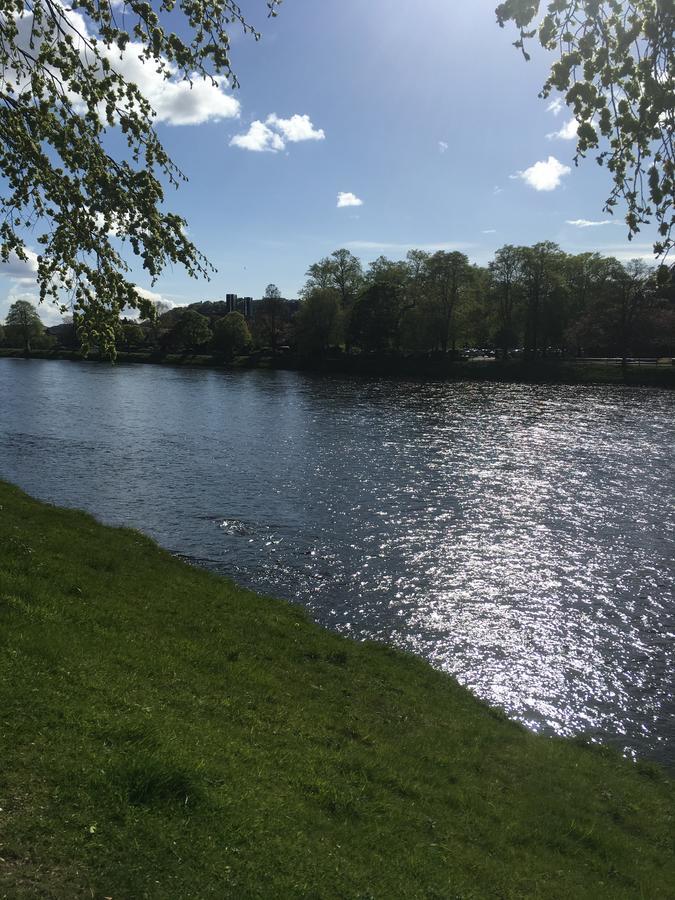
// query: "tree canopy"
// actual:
[[62, 91], [530, 301], [23, 323], [616, 70], [231, 335]]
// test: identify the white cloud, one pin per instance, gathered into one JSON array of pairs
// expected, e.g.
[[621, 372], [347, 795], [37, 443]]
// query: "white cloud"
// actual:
[[498, 190], [259, 138], [442, 146], [178, 103], [20, 270], [175, 102], [489, 231], [588, 223], [556, 106], [384, 246], [567, 133], [271, 135], [545, 175], [346, 198], [49, 313], [297, 128], [155, 298]]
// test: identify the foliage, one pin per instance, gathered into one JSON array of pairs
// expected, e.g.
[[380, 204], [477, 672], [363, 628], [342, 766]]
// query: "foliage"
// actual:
[[341, 272], [506, 273], [318, 324], [61, 94], [231, 335], [534, 300], [542, 277], [616, 69], [131, 335], [166, 734], [212, 309], [271, 319], [190, 332], [446, 278], [375, 317], [23, 324]]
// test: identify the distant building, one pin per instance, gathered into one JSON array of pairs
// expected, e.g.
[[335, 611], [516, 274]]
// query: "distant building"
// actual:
[[231, 302], [244, 306]]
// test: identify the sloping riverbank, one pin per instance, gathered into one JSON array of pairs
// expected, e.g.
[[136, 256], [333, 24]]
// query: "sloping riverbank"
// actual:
[[166, 734]]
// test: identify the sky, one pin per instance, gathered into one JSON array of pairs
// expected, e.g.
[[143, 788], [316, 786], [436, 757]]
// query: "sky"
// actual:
[[374, 126]]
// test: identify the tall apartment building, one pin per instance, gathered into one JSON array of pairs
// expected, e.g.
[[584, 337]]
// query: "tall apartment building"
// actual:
[[245, 307]]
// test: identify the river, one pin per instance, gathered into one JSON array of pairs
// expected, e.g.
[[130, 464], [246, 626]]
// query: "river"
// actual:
[[520, 537]]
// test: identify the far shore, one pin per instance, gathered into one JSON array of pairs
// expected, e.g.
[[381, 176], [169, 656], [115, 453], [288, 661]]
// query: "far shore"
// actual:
[[547, 370]]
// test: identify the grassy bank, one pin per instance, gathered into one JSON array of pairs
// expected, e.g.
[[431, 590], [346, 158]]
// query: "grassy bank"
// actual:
[[167, 735], [547, 371]]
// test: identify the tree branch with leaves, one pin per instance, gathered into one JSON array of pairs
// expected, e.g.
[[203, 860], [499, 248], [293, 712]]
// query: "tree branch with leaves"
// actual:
[[62, 93], [615, 67]]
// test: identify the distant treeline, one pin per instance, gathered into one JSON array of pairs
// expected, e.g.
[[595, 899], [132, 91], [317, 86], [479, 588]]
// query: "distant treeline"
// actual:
[[536, 300], [528, 301]]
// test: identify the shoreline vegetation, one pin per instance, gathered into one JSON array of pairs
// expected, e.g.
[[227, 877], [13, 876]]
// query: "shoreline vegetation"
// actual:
[[650, 373], [167, 734]]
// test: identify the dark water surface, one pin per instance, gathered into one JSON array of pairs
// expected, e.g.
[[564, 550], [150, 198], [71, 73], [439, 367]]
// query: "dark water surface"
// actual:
[[521, 537]]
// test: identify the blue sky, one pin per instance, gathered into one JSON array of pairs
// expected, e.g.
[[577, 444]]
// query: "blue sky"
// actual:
[[423, 111]]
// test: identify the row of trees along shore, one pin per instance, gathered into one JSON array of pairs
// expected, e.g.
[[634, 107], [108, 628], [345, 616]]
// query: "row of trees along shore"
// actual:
[[532, 301]]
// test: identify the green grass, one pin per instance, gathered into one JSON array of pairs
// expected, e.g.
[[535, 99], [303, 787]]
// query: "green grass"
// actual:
[[165, 734]]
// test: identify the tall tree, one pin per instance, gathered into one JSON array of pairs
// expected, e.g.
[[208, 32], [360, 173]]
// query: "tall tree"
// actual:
[[542, 276], [401, 277], [347, 276], [448, 274], [634, 296], [23, 324], [271, 319], [506, 271], [318, 324], [375, 317], [320, 276], [615, 69], [341, 272], [62, 91]]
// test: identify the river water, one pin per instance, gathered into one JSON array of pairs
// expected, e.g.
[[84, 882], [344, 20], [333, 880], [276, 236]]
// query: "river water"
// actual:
[[520, 537]]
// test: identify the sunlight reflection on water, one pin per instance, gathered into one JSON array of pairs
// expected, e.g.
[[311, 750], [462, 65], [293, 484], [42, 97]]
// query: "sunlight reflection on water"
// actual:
[[520, 537]]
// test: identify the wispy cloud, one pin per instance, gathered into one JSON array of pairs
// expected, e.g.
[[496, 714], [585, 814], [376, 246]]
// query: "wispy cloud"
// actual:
[[398, 247], [346, 198], [624, 252], [545, 175], [489, 231], [442, 146], [498, 190], [556, 106], [567, 133], [274, 133], [589, 223]]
